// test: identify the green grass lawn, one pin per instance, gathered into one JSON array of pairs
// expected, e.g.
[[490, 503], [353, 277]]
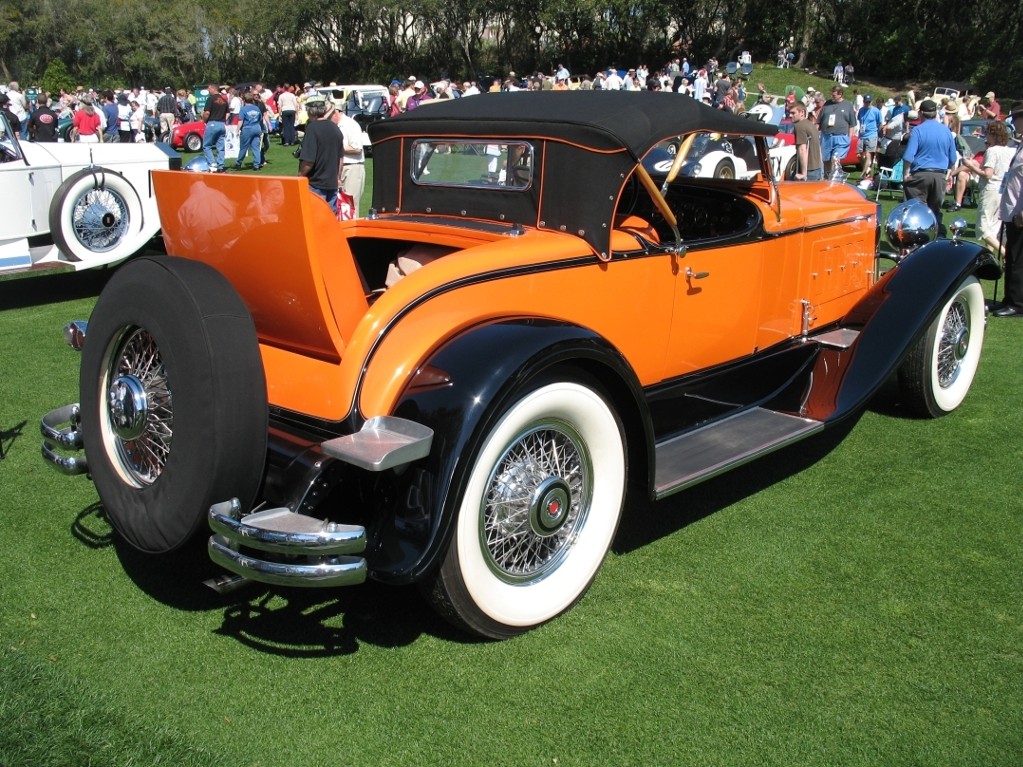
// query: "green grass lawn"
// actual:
[[852, 600]]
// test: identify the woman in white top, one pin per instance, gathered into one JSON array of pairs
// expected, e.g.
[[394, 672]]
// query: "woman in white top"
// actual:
[[997, 157]]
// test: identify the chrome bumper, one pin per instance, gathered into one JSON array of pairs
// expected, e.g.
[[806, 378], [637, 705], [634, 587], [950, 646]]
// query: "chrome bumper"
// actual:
[[60, 430], [301, 550]]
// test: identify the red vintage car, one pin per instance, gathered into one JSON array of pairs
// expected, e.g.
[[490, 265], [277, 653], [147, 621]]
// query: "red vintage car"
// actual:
[[188, 136]]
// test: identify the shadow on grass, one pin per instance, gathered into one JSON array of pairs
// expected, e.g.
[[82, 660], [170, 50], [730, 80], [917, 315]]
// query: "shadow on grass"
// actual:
[[304, 623], [9, 436], [646, 521], [290, 622], [20, 291], [308, 623]]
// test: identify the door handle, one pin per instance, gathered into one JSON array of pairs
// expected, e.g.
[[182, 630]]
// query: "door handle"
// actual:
[[691, 275]]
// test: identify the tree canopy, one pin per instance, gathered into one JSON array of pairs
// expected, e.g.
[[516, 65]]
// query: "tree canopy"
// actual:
[[185, 42]]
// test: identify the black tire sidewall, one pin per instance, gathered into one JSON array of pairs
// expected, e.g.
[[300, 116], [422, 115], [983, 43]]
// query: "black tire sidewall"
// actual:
[[208, 345]]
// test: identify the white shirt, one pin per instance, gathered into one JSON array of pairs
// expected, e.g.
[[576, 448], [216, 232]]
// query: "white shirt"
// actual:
[[1012, 194], [17, 104], [699, 87], [351, 134], [287, 102]]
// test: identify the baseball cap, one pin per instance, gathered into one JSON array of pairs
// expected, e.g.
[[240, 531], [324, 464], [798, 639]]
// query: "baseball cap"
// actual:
[[928, 107], [868, 98]]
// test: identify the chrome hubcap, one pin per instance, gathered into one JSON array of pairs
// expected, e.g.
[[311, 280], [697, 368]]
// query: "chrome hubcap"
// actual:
[[129, 407], [536, 502], [139, 422], [100, 219], [549, 507]]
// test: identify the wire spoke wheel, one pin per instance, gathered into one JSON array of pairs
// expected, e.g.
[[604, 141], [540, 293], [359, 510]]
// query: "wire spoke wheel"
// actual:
[[954, 342], [173, 400], [100, 219], [537, 495], [139, 423], [938, 371], [537, 510]]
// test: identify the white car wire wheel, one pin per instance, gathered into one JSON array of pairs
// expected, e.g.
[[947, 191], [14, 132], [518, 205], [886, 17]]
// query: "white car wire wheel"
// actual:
[[96, 215], [937, 374], [537, 513], [173, 400]]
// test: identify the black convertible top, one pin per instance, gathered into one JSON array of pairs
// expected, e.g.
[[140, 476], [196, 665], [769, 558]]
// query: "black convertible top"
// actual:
[[587, 146], [598, 120]]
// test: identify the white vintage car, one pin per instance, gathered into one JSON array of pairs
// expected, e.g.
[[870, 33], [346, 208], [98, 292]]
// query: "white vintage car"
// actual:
[[712, 155], [79, 205]]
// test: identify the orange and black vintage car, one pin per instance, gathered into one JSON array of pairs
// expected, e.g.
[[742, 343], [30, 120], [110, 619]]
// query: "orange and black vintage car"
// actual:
[[455, 389]]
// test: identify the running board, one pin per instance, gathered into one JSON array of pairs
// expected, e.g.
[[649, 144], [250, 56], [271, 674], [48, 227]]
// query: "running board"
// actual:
[[717, 447]]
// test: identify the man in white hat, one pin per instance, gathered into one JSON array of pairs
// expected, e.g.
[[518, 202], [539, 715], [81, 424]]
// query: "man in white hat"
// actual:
[[352, 176]]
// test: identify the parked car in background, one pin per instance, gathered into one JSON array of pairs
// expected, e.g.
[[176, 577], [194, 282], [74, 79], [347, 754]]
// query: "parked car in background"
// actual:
[[188, 136], [366, 104], [456, 390], [787, 135], [77, 205]]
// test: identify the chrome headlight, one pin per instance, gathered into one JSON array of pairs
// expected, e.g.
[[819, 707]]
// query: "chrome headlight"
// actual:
[[910, 225]]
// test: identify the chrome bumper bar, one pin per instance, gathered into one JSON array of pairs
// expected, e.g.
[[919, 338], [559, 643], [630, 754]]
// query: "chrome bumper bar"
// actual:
[[303, 551], [60, 430]]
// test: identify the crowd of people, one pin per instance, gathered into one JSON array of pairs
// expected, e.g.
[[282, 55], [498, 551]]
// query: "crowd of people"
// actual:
[[924, 136]]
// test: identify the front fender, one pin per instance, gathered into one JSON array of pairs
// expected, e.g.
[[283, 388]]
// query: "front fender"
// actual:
[[891, 317], [482, 370]]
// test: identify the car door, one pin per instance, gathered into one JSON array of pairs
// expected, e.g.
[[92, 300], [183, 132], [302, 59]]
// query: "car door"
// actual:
[[18, 220], [716, 305]]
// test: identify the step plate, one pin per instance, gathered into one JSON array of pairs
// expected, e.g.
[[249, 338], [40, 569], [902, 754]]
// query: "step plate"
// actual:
[[722, 445]]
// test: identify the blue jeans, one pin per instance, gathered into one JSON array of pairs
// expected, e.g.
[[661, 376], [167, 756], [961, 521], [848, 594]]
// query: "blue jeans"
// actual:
[[328, 195], [815, 175], [251, 138], [214, 135]]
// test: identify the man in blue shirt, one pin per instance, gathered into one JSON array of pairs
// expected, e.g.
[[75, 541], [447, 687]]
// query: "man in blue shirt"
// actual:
[[869, 117], [110, 133], [929, 159]]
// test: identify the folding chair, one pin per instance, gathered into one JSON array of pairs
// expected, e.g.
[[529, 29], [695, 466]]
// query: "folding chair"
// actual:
[[889, 178]]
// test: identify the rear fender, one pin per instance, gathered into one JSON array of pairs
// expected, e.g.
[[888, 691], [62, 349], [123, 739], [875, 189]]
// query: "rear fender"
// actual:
[[891, 317], [460, 392]]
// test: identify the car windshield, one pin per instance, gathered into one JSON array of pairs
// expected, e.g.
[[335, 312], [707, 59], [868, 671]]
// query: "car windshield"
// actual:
[[443, 163]]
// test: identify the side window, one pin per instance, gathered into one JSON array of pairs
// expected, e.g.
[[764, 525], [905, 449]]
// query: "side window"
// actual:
[[508, 165]]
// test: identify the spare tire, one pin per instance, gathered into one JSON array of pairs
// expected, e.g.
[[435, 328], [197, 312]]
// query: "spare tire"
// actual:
[[173, 399]]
